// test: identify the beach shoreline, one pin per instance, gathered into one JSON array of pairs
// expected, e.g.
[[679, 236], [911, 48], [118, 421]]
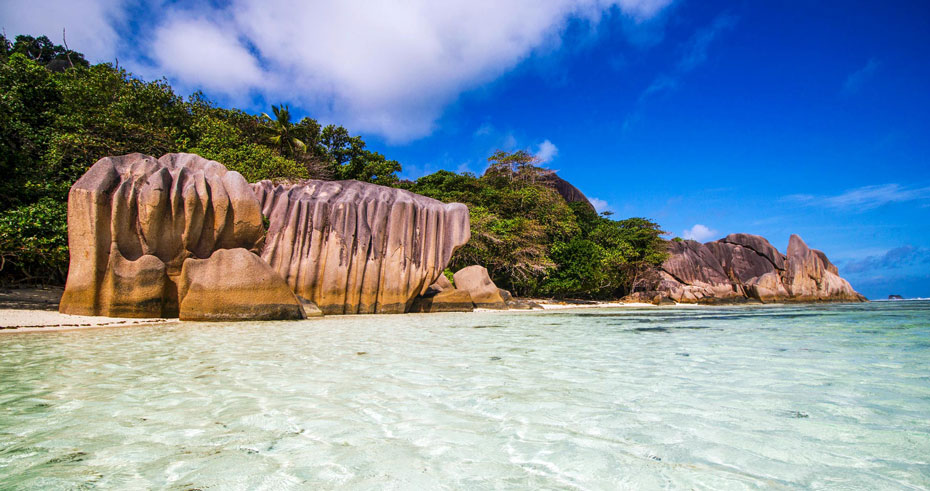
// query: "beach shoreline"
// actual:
[[35, 309]]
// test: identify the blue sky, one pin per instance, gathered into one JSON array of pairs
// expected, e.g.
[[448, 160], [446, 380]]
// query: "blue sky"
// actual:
[[710, 117]]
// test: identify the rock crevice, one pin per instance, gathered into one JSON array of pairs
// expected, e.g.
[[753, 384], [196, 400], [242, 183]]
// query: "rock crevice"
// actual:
[[356, 248]]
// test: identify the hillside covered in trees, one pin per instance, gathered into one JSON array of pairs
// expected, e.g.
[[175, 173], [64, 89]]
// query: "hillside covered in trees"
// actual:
[[59, 115]]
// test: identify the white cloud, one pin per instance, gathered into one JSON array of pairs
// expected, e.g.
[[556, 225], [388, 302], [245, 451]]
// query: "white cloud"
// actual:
[[508, 142], [599, 204], [484, 130], [699, 233], [207, 56], [864, 198], [384, 67], [696, 49], [856, 79], [91, 25], [547, 151]]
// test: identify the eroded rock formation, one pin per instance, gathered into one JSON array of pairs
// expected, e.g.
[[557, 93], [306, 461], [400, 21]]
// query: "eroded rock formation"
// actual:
[[234, 284], [355, 248], [476, 281], [181, 235], [133, 221], [441, 296], [744, 267]]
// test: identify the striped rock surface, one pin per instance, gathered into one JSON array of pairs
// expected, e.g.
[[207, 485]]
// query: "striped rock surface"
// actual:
[[132, 222], [358, 248]]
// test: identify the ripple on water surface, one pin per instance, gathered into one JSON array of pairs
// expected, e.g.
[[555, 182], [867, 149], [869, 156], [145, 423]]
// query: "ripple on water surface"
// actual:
[[740, 397]]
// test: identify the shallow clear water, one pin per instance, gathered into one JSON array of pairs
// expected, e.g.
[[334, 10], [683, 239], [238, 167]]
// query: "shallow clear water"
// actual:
[[700, 398]]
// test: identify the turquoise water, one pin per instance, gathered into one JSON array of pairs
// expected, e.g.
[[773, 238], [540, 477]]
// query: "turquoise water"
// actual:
[[832, 397]]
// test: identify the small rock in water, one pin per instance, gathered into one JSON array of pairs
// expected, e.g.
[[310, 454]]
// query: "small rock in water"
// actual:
[[495, 358], [799, 414]]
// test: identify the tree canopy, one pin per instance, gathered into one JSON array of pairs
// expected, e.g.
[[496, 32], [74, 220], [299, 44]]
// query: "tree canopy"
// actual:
[[535, 243]]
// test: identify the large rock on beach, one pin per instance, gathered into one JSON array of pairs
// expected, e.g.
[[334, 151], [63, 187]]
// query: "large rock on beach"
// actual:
[[356, 248], [757, 244], [137, 224], [476, 281], [133, 288], [451, 300], [133, 221], [440, 285], [744, 267], [234, 284], [811, 278], [693, 274]]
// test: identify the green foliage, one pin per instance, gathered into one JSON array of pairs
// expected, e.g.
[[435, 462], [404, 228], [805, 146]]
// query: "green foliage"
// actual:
[[511, 162], [28, 99], [534, 243], [282, 132], [349, 159], [104, 111], [42, 51], [513, 222], [33, 242], [608, 259], [221, 141]]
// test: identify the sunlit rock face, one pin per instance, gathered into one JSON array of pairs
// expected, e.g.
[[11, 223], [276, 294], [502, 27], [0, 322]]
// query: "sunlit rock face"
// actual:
[[133, 220], [234, 284], [354, 248], [812, 277], [477, 282], [692, 273], [744, 267]]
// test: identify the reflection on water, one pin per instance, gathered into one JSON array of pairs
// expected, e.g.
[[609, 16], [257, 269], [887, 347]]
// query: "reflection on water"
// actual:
[[833, 396]]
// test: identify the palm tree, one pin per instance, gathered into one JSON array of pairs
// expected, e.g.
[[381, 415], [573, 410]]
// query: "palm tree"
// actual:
[[283, 130]]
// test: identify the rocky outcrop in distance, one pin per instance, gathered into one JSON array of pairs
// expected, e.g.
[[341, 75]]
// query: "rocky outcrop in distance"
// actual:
[[357, 248], [183, 236], [566, 190], [744, 267], [551, 179]]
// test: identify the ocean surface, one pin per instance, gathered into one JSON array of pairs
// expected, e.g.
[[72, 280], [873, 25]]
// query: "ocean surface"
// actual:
[[770, 397]]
